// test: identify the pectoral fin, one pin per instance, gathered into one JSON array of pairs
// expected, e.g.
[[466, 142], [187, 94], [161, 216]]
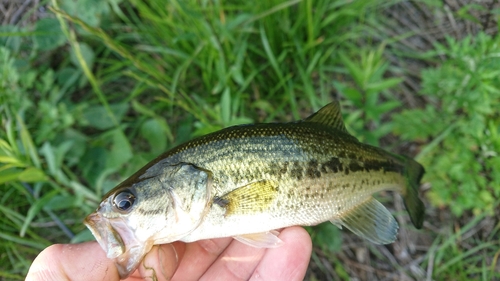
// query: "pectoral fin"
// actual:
[[370, 220], [261, 240], [252, 198]]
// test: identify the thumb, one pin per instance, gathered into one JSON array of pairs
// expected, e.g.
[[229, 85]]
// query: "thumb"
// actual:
[[86, 261]]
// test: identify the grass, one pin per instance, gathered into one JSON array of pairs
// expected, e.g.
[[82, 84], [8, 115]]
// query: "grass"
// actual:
[[105, 91]]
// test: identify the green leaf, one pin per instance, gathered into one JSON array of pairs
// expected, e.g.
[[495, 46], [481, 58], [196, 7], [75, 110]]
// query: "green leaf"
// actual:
[[138, 107], [22, 241], [353, 69], [153, 130], [80, 189], [374, 112], [9, 175], [328, 236], [93, 164], [48, 34], [5, 147], [98, 117], [47, 82], [27, 141], [354, 95], [419, 123], [121, 151], [60, 152], [35, 209], [90, 11], [239, 121], [206, 129], [68, 77], [50, 157], [10, 37], [32, 174], [350, 93], [87, 53], [465, 12], [62, 202], [225, 105], [11, 160], [383, 85], [83, 236]]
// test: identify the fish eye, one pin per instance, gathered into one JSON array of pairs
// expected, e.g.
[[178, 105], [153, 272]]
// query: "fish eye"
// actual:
[[124, 200]]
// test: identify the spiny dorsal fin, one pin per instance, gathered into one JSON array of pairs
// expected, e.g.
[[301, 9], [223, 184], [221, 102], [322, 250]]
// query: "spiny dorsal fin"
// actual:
[[330, 116]]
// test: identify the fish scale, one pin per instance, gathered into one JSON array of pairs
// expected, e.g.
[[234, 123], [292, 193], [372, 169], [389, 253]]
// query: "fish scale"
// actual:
[[245, 181]]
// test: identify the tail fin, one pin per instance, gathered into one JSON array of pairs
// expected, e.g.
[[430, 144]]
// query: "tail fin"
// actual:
[[416, 209]]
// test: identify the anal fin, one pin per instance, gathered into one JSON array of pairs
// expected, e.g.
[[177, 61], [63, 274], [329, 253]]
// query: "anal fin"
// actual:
[[267, 239], [337, 222], [372, 221]]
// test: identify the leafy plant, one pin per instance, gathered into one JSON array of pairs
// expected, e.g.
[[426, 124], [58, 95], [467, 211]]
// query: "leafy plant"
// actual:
[[463, 122], [226, 63], [369, 86], [35, 181], [447, 257]]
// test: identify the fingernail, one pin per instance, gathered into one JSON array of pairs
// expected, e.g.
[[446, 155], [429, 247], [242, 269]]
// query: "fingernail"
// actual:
[[168, 260]]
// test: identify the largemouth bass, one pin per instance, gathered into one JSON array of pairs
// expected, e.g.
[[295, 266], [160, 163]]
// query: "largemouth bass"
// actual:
[[246, 181]]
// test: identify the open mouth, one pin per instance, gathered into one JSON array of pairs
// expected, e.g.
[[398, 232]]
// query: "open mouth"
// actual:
[[109, 240], [118, 241]]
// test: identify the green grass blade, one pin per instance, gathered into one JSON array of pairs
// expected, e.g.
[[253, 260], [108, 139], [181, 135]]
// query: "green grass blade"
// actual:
[[23, 241], [35, 209]]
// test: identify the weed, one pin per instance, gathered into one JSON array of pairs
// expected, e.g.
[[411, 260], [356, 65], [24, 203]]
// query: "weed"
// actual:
[[463, 95]]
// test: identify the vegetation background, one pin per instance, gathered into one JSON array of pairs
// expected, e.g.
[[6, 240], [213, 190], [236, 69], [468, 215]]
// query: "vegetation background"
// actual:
[[91, 90]]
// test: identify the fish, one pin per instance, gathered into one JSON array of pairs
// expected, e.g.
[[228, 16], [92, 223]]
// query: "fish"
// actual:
[[247, 181]]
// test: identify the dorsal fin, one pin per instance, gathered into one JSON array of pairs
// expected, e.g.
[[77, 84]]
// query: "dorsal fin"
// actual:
[[330, 116]]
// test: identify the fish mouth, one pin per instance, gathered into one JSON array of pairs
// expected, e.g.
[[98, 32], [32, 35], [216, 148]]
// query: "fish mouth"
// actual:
[[118, 242]]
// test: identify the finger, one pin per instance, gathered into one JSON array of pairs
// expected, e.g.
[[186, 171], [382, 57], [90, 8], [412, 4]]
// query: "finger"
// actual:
[[237, 262], [159, 264], [198, 256], [86, 261], [288, 262]]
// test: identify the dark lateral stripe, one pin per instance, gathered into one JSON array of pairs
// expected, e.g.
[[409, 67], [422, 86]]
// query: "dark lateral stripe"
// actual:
[[372, 165], [334, 165], [314, 169]]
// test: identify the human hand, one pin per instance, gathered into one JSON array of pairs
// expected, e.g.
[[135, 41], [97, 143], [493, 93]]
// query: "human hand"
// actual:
[[214, 259]]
